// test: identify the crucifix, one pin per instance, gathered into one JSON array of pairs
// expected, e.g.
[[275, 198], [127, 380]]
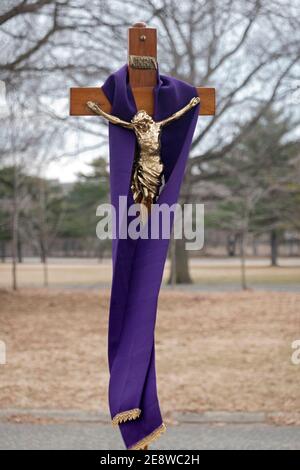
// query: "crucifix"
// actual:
[[142, 64], [132, 319]]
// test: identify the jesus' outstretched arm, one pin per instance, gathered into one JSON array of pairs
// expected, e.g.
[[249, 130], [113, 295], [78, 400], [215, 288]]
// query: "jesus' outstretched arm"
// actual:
[[194, 101], [110, 117]]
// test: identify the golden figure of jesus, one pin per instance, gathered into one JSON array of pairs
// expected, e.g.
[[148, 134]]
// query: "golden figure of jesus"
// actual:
[[148, 168]]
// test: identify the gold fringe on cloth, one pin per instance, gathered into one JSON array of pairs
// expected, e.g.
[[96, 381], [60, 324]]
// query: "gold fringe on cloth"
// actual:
[[126, 416], [150, 438]]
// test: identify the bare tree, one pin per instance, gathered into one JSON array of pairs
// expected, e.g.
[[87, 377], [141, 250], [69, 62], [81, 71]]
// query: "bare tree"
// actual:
[[248, 50]]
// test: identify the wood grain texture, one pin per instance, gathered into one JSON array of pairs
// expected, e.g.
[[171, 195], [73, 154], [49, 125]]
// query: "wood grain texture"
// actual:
[[142, 41], [143, 98]]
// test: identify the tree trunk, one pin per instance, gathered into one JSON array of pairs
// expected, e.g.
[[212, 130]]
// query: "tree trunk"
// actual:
[[179, 273], [254, 246], [274, 247], [15, 223], [231, 245], [45, 272], [42, 252], [243, 262], [44, 231], [3, 251], [20, 257]]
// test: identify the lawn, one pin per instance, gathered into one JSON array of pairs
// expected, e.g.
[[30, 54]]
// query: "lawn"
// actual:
[[88, 272], [215, 351]]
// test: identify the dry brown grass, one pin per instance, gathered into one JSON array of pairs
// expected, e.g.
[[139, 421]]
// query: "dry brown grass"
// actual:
[[227, 351], [90, 273]]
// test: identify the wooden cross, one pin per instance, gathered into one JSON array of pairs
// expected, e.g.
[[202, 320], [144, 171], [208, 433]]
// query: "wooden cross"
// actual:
[[142, 44]]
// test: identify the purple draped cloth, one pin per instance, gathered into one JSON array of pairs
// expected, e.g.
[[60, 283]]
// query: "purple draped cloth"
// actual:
[[138, 264]]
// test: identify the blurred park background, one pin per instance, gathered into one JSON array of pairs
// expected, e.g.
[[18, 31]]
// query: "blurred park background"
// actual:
[[228, 313]]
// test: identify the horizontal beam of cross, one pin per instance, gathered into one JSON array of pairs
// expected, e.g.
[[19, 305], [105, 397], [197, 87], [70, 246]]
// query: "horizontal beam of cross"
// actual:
[[143, 98], [142, 46]]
